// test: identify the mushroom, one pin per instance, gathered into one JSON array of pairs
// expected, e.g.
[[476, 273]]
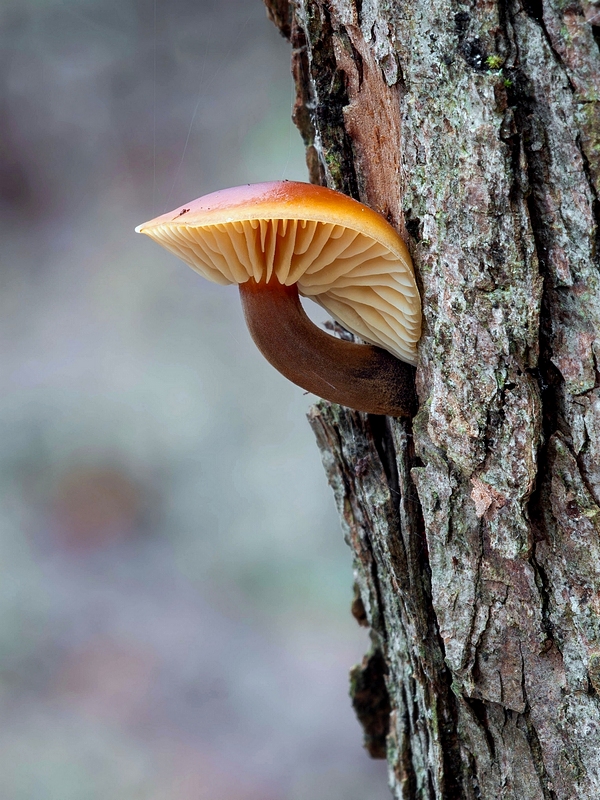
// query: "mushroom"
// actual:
[[278, 240]]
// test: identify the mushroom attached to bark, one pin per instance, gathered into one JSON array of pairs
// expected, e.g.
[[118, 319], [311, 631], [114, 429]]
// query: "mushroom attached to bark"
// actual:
[[278, 240]]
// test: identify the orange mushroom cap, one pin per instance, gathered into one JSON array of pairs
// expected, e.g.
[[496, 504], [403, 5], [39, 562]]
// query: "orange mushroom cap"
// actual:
[[339, 252]]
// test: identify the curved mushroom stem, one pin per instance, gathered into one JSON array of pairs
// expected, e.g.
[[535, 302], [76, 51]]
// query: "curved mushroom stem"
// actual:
[[360, 376]]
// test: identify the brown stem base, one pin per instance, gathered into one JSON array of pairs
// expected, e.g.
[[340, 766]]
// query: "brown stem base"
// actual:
[[360, 376]]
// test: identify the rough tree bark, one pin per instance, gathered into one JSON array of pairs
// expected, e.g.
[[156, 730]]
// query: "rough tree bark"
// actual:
[[475, 128]]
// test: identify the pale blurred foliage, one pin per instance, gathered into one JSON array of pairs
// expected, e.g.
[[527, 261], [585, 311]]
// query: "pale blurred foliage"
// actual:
[[174, 598]]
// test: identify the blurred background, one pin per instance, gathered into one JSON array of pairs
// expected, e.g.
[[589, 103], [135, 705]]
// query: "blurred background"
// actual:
[[174, 588]]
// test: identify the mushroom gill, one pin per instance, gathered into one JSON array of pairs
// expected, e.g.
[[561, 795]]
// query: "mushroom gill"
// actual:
[[358, 280]]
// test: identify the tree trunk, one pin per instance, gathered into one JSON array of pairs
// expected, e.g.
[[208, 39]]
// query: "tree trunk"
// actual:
[[475, 129]]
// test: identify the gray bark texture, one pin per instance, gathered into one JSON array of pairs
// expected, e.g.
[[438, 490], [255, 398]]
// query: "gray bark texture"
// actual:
[[475, 129]]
